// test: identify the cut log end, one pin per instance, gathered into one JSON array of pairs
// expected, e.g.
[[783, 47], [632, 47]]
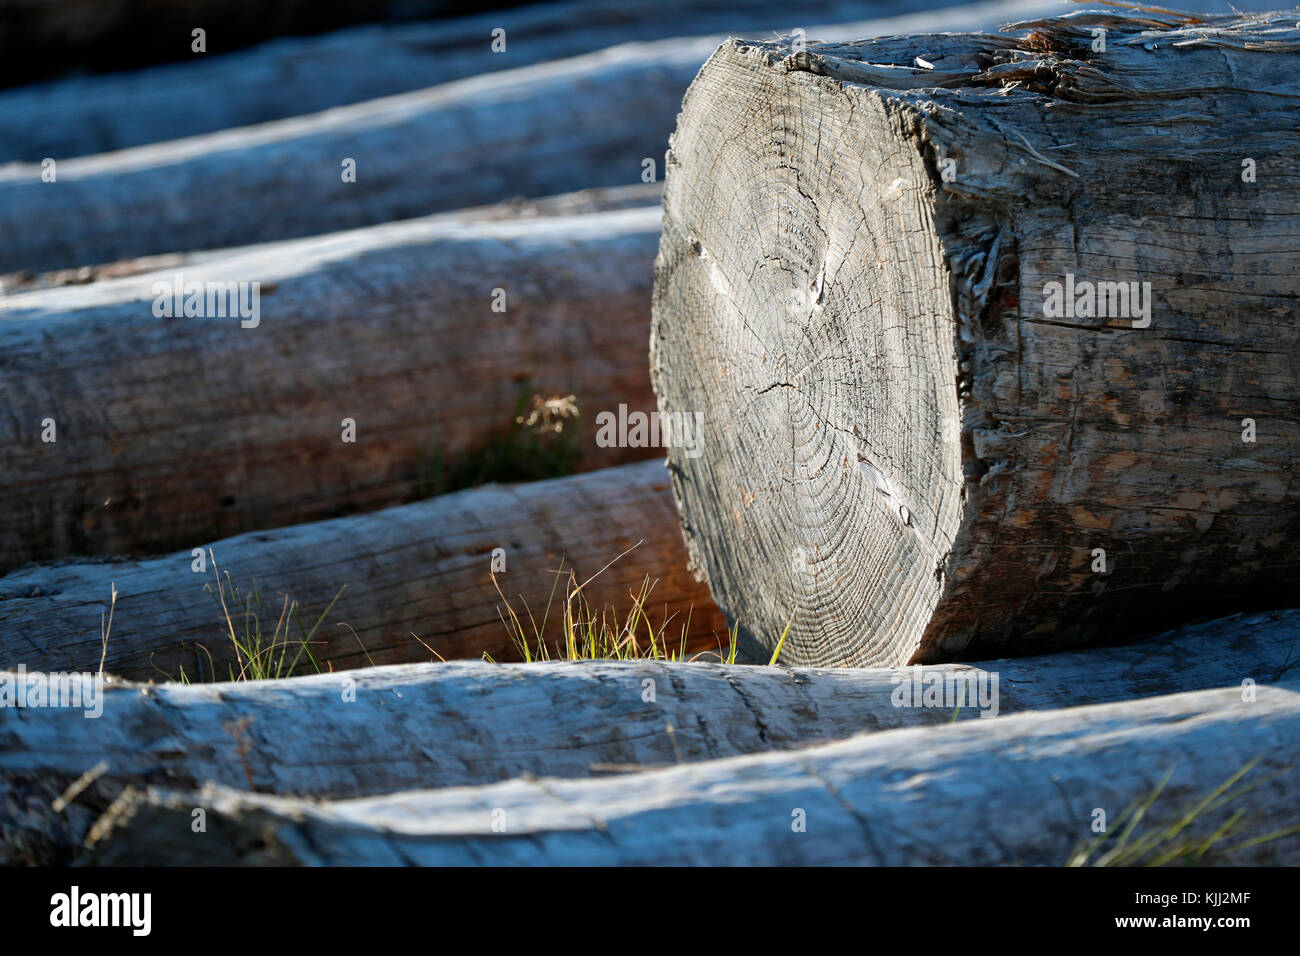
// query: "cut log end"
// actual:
[[904, 457], [856, 460]]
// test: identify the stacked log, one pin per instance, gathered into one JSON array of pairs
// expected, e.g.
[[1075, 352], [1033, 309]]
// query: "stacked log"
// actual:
[[1024, 790], [295, 75], [589, 120], [976, 379], [388, 729], [416, 581], [131, 431]]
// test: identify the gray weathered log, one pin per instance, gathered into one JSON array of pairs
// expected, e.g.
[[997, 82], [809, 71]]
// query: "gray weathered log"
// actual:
[[552, 127], [304, 74], [460, 724], [48, 37], [578, 203], [1019, 790], [419, 569], [174, 431], [907, 449]]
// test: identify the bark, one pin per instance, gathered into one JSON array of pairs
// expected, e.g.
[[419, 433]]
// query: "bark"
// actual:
[[1021, 790], [173, 431], [304, 74], [416, 573], [40, 38], [386, 729], [585, 121], [908, 451], [581, 202]]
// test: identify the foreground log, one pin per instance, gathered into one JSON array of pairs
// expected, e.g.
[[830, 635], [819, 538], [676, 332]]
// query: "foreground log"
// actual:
[[553, 127], [172, 430], [304, 74], [1023, 790], [416, 577], [975, 378], [380, 730]]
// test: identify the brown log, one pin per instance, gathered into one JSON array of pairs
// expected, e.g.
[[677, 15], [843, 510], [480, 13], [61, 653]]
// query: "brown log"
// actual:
[[911, 447], [416, 581], [172, 431]]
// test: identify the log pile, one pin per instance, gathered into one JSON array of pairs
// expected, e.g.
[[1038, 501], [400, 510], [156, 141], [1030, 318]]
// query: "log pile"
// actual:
[[901, 440], [919, 797]]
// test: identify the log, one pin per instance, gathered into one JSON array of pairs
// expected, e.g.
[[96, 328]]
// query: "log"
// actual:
[[172, 431], [552, 127], [417, 582], [1022, 790], [581, 202], [42, 38], [907, 448], [465, 724], [293, 75]]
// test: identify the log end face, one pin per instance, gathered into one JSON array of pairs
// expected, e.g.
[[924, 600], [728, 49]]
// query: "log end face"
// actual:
[[804, 336]]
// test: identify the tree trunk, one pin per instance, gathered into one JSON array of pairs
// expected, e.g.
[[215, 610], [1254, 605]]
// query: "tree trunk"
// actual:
[[38, 37], [909, 449], [466, 724], [305, 74], [579, 203], [587, 121], [417, 573], [1023, 790], [172, 431]]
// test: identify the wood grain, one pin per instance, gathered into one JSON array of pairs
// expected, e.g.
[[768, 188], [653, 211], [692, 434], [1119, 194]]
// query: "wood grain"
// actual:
[[385, 729], [173, 431], [552, 127], [1019, 790], [907, 452], [419, 569]]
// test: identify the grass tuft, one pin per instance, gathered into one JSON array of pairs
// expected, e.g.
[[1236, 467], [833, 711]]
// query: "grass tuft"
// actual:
[[588, 633], [1174, 842], [260, 652]]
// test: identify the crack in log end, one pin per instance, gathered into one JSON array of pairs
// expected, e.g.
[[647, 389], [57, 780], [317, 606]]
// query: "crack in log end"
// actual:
[[756, 312], [887, 232]]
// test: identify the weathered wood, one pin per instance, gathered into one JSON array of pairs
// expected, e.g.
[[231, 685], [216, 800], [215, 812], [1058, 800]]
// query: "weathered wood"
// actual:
[[1020, 790], [44, 37], [385, 729], [294, 75], [585, 121], [578, 203], [172, 431], [906, 448], [419, 569]]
